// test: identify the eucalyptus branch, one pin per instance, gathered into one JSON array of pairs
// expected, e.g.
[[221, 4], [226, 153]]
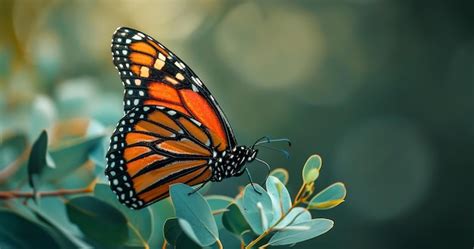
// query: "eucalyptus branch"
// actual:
[[54, 193]]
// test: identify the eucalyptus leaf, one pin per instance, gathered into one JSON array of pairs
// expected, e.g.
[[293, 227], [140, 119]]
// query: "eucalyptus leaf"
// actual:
[[234, 221], [161, 211], [62, 235], [281, 200], [98, 220], [329, 197], [193, 209], [301, 232], [311, 169], [282, 175], [139, 222], [295, 216], [257, 208], [71, 156], [172, 230], [218, 203], [37, 161], [17, 231]]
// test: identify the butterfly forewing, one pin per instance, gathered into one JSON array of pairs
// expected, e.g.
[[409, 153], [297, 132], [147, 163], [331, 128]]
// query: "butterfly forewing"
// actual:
[[153, 75]]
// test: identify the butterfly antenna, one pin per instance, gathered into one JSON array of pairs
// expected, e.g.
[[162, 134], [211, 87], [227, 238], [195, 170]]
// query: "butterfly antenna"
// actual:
[[266, 164], [284, 152], [251, 181], [266, 140]]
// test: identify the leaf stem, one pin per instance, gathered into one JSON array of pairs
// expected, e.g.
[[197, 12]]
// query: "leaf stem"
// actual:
[[296, 202], [219, 244], [59, 192], [270, 229]]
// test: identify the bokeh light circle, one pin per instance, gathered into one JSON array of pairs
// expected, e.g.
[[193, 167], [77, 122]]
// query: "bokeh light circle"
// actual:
[[387, 164], [276, 47]]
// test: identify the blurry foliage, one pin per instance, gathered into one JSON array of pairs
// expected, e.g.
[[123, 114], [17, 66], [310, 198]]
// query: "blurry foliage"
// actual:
[[382, 89], [91, 216]]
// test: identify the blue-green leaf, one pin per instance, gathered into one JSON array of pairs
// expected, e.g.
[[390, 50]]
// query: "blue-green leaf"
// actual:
[[329, 197], [60, 233], [161, 211], [234, 221], [98, 220], [17, 231], [301, 232], [281, 174], [311, 169], [280, 197], [172, 230], [196, 211], [71, 156], [218, 203], [37, 161], [139, 222], [295, 216], [257, 208]]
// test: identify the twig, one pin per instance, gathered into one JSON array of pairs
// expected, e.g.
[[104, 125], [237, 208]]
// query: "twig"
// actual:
[[59, 192]]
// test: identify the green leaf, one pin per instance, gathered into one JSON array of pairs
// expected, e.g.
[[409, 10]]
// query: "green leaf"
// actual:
[[62, 235], [257, 208], [196, 211], [311, 169], [71, 156], [295, 216], [17, 231], [98, 220], [11, 148], [139, 222], [184, 242], [281, 174], [301, 232], [161, 211], [172, 231], [329, 197], [281, 200], [218, 203], [37, 161], [234, 221]]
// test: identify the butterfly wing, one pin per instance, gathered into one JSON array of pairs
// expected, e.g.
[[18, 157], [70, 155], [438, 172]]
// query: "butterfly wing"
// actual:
[[154, 147], [153, 75]]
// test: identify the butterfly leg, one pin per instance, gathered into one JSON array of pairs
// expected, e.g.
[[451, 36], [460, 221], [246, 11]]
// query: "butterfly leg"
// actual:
[[251, 181], [198, 188]]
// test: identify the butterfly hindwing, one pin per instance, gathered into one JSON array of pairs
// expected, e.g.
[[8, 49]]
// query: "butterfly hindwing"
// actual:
[[154, 147], [153, 75]]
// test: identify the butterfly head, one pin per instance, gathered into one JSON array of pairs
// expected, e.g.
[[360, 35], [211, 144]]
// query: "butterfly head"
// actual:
[[231, 162]]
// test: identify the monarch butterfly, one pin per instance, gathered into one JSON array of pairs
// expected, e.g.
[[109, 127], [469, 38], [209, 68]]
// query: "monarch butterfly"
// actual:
[[173, 130]]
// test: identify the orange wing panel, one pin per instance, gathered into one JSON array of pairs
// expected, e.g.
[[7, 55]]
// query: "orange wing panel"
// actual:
[[153, 128], [162, 191], [203, 112], [161, 91], [131, 153], [144, 47], [143, 181], [135, 166], [142, 59], [184, 146]]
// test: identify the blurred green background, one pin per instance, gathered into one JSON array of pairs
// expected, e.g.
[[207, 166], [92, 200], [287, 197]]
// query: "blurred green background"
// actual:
[[382, 90]]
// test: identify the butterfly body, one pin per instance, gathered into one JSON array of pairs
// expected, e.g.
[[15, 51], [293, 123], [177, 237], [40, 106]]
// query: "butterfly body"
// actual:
[[173, 130]]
